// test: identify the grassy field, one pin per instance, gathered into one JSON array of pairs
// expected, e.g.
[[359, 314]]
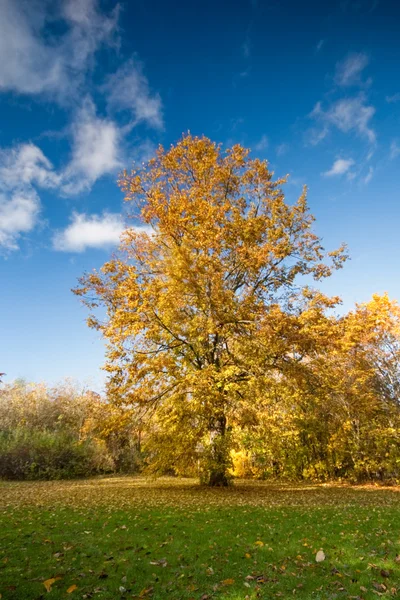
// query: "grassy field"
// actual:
[[133, 538]]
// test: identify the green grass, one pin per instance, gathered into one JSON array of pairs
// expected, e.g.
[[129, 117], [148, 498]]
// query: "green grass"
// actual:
[[131, 538]]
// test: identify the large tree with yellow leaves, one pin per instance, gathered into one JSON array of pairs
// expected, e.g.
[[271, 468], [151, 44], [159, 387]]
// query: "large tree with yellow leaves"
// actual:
[[208, 314]]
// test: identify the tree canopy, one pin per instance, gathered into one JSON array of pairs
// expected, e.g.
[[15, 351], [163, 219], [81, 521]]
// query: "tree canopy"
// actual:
[[209, 308]]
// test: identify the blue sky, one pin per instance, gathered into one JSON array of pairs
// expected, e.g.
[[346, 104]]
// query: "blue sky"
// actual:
[[88, 87]]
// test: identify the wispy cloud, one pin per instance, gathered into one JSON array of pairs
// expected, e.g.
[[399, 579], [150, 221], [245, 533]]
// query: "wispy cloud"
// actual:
[[25, 165], [369, 175], [394, 98], [281, 149], [262, 144], [128, 90], [48, 51], [349, 70], [339, 167], [95, 150], [347, 115], [19, 213], [318, 47], [358, 6], [34, 62], [394, 149], [246, 47], [22, 168], [89, 231]]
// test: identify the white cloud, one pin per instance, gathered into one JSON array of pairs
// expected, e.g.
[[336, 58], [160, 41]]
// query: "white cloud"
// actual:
[[262, 144], [339, 167], [394, 150], [349, 70], [21, 168], [369, 175], [95, 150], [351, 175], [347, 115], [281, 149], [393, 99], [316, 135], [89, 231], [19, 213], [319, 45], [128, 90], [48, 49], [26, 164], [34, 61]]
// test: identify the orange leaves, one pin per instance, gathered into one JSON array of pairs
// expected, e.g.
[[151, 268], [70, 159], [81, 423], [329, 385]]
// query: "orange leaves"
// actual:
[[49, 583], [204, 315], [72, 588], [146, 592]]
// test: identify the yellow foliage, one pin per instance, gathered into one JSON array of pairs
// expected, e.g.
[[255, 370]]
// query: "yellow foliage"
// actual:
[[242, 464], [205, 310]]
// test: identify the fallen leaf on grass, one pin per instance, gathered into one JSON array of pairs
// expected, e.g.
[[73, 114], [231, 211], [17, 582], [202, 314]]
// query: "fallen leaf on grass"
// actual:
[[49, 582], [380, 587], [259, 543], [228, 582], [103, 575], [320, 556], [72, 588], [385, 573], [146, 592], [159, 563]]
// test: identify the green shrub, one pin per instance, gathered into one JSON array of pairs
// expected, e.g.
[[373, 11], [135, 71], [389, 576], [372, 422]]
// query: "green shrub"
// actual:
[[31, 454]]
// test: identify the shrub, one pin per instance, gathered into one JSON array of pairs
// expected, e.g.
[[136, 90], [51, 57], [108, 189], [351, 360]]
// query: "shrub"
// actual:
[[50, 455]]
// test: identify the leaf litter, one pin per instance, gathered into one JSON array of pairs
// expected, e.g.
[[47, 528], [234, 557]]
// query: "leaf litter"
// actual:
[[256, 540]]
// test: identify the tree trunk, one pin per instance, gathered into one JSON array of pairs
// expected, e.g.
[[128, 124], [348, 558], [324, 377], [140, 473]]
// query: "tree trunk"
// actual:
[[219, 453]]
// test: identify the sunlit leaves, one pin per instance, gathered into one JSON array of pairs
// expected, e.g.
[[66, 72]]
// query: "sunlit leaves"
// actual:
[[207, 309]]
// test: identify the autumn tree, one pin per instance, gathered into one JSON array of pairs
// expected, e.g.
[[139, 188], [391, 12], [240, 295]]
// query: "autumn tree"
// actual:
[[346, 422], [207, 312], [367, 390]]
